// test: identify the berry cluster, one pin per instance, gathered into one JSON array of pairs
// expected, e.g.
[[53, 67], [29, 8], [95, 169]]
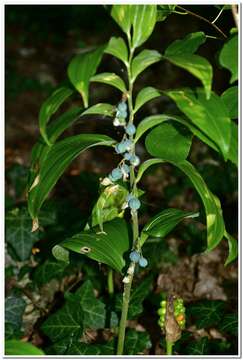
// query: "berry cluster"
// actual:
[[137, 258], [179, 313]]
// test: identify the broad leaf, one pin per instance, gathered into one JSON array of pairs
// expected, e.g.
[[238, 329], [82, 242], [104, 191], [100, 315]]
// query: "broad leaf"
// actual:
[[230, 99], [14, 310], [207, 313], [233, 150], [50, 106], [110, 79], [188, 45], [49, 270], [18, 233], [233, 248], [144, 59], [79, 348], [164, 11], [228, 57], [210, 116], [136, 342], [18, 347], [109, 205], [108, 247], [118, 48], [60, 253], [55, 162], [100, 109], [145, 95], [143, 22], [165, 221], [148, 123], [82, 68], [65, 323], [145, 165], [169, 142], [229, 324], [122, 15], [94, 310]]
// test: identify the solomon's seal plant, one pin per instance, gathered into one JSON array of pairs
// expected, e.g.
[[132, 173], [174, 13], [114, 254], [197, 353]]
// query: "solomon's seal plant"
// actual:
[[204, 114]]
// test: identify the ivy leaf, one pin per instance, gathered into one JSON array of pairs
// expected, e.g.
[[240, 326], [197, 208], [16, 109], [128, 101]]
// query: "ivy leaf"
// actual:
[[233, 248], [169, 142], [50, 106], [49, 270], [18, 347], [144, 59], [14, 310], [210, 116], [162, 223], [230, 99], [55, 161], [229, 324], [18, 233], [109, 205], [118, 48], [79, 348], [143, 21], [228, 57], [110, 79], [82, 68], [108, 247], [94, 311], [207, 313], [198, 347], [136, 342], [101, 109], [145, 95], [65, 323]]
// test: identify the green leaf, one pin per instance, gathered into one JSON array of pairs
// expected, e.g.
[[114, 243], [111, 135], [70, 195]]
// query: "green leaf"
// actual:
[[49, 270], [161, 224], [198, 347], [100, 109], [93, 309], [110, 79], [228, 57], [188, 45], [169, 142], [58, 126], [197, 66], [233, 150], [233, 248], [65, 323], [82, 68], [122, 15], [109, 205], [149, 122], [118, 48], [229, 324], [145, 95], [145, 165], [14, 310], [60, 253], [207, 313], [144, 59], [18, 233], [55, 162], [230, 99], [50, 106], [108, 247], [210, 116], [136, 342], [18, 347], [143, 21], [164, 11], [79, 348]]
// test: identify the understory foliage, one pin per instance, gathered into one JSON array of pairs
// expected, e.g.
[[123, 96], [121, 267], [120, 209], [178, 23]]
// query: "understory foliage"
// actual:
[[104, 263]]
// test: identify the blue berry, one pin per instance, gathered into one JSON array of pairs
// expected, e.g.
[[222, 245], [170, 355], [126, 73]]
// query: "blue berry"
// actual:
[[128, 144], [111, 178], [120, 148], [122, 106], [127, 156], [129, 197], [135, 160], [143, 262], [130, 129], [125, 168], [134, 203], [134, 256], [116, 174]]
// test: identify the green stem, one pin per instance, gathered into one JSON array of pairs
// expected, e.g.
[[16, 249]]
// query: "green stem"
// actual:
[[110, 282], [169, 346]]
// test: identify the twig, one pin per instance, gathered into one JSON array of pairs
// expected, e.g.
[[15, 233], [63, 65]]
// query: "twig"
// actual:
[[203, 19], [234, 10]]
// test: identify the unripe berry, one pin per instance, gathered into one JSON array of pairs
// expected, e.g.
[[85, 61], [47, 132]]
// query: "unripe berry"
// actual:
[[134, 256], [134, 203], [130, 129], [116, 174], [143, 262], [135, 160]]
